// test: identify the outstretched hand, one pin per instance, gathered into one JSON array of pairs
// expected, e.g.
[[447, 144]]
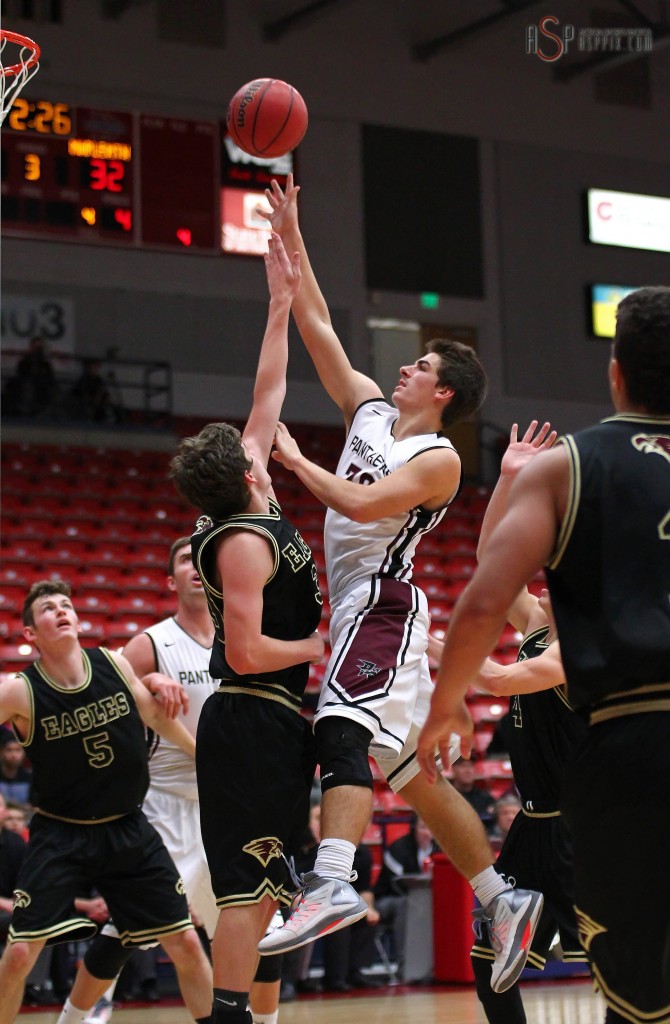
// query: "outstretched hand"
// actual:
[[286, 449], [283, 273], [520, 452], [435, 737], [284, 205]]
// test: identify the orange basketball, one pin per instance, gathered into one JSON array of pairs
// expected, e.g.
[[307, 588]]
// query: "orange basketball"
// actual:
[[267, 117]]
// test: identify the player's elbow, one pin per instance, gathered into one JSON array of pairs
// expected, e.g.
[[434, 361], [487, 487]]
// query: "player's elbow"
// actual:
[[242, 659]]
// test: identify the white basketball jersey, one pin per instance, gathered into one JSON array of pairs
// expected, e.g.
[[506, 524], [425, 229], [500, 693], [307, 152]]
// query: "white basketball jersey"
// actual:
[[186, 661], [355, 551]]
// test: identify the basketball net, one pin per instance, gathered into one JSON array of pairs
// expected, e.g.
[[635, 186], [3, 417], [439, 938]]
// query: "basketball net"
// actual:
[[13, 76]]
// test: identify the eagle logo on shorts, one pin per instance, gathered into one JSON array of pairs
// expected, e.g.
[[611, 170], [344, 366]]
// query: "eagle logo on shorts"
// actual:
[[21, 899], [180, 887], [264, 849], [652, 444], [203, 523], [588, 928]]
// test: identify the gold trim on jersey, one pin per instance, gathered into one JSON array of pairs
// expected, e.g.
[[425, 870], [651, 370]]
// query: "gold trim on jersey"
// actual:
[[74, 924], [141, 938], [572, 506], [58, 686], [112, 661], [81, 821], [541, 814], [31, 731], [230, 524], [626, 1009], [649, 688], [266, 888], [637, 707], [629, 417], [290, 701], [561, 694]]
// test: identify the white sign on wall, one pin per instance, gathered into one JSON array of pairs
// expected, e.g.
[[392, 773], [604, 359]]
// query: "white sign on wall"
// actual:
[[628, 219], [30, 316]]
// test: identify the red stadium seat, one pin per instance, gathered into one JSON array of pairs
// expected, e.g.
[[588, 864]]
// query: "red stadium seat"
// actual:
[[15, 657]]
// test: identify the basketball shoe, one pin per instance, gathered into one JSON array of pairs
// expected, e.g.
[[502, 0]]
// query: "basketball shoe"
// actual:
[[511, 919], [324, 905], [101, 1012]]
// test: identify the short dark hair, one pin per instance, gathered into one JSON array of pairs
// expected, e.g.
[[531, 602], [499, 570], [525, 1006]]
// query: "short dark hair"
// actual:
[[208, 471], [642, 347], [180, 543], [43, 588], [460, 369]]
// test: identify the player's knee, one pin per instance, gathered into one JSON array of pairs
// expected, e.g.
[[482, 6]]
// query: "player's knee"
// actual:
[[105, 957], [342, 751], [19, 958], [184, 948], [269, 969]]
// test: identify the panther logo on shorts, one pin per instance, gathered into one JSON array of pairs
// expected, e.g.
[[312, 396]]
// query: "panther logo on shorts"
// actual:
[[21, 899], [588, 928], [180, 887], [264, 849]]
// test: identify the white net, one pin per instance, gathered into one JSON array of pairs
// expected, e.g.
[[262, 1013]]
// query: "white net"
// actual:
[[19, 60]]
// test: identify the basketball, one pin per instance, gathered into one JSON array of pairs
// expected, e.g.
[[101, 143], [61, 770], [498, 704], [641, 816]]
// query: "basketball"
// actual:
[[267, 117]]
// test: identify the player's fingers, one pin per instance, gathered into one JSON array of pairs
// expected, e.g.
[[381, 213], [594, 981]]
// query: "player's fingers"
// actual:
[[466, 748], [532, 427], [541, 434], [513, 433]]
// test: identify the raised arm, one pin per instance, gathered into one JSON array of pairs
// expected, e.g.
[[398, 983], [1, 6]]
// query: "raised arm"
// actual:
[[517, 455], [245, 565], [346, 386], [283, 276]]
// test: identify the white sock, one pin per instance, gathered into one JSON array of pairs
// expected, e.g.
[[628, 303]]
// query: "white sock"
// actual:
[[71, 1015], [265, 1018], [488, 884], [335, 859]]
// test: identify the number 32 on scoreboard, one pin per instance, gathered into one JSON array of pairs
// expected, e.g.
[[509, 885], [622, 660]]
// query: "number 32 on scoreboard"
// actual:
[[106, 175]]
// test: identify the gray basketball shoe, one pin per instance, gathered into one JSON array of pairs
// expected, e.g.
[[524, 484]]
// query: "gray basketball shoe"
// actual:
[[511, 919], [325, 905]]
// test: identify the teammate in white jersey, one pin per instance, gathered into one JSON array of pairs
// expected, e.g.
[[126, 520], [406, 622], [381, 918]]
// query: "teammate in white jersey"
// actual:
[[377, 686]]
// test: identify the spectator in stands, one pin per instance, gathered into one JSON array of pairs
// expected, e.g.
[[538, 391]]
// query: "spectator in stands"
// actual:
[[480, 799], [15, 776], [91, 396], [32, 389], [409, 855], [506, 810], [16, 819]]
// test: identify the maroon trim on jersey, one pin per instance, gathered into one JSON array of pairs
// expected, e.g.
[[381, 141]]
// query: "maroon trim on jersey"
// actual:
[[369, 662]]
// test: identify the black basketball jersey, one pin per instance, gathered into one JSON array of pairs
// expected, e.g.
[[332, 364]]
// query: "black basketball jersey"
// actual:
[[543, 733], [87, 745], [609, 577], [292, 601]]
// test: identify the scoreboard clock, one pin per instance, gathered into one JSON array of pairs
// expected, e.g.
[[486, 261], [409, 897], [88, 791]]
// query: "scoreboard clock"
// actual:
[[88, 175]]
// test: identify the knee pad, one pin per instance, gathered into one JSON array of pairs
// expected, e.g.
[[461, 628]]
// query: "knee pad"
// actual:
[[105, 957], [269, 968], [342, 751]]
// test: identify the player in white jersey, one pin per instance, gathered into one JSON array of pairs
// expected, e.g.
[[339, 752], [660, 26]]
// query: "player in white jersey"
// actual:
[[397, 475]]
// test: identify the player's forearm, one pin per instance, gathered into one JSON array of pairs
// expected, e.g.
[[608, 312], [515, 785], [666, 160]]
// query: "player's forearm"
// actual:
[[309, 303], [175, 732], [342, 496], [267, 654], [472, 635], [495, 510], [273, 359]]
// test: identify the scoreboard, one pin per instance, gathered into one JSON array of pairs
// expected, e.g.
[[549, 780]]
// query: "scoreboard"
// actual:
[[101, 176]]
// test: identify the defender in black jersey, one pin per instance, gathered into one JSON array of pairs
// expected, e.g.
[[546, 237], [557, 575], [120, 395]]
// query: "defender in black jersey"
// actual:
[[596, 511], [80, 714], [254, 761]]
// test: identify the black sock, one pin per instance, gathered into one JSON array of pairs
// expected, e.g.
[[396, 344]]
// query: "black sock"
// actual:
[[499, 1007], [230, 1007]]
